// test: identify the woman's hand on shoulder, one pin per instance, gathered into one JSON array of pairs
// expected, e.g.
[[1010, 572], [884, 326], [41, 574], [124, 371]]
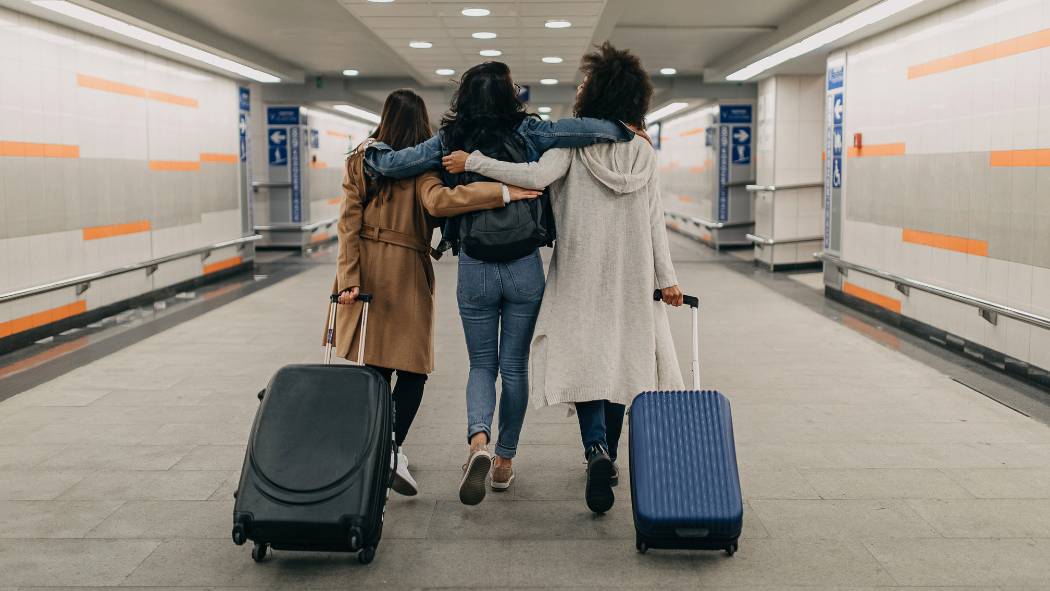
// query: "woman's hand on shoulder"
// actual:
[[517, 193], [672, 296], [349, 296], [640, 133], [455, 162]]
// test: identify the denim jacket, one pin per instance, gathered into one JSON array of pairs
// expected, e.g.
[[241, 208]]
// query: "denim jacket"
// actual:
[[539, 136]]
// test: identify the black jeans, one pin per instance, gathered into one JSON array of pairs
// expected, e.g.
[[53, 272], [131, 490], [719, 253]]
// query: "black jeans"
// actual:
[[407, 394], [601, 422]]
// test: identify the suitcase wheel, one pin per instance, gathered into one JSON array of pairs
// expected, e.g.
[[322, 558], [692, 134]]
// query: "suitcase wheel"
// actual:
[[366, 555], [731, 550], [640, 544], [259, 551], [239, 536]]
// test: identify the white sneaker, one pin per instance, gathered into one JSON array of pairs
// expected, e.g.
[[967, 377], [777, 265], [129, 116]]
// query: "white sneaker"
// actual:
[[403, 483]]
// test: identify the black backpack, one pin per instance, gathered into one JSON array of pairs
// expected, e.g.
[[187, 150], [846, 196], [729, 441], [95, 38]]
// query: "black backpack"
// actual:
[[503, 234]]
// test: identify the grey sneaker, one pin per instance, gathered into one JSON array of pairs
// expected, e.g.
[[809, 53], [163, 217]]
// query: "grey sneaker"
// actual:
[[501, 477], [472, 485]]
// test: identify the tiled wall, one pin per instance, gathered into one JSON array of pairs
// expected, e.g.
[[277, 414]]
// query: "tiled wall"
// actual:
[[951, 182], [789, 146], [688, 169], [108, 156]]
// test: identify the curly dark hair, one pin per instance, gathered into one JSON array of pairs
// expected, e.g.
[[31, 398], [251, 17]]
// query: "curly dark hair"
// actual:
[[615, 86]]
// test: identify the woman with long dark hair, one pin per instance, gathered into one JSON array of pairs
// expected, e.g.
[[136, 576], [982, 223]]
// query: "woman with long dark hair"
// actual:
[[498, 300], [613, 247], [385, 227]]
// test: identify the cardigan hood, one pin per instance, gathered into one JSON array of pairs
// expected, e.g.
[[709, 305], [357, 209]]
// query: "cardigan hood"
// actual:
[[623, 167]]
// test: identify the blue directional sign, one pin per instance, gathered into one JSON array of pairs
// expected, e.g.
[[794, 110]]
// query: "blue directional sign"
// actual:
[[836, 171], [315, 138], [836, 141], [245, 98], [741, 135], [242, 128], [524, 93], [742, 154], [734, 114], [296, 174], [836, 77], [723, 172], [278, 146], [282, 115], [837, 109]]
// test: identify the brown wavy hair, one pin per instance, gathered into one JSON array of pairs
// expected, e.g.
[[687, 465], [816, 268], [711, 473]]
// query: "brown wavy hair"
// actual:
[[404, 123], [615, 86]]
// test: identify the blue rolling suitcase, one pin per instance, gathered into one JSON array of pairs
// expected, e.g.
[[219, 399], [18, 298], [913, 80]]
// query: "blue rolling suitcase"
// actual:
[[685, 487]]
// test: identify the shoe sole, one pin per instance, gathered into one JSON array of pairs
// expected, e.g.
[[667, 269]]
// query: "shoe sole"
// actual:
[[501, 486], [600, 496], [472, 487], [403, 487]]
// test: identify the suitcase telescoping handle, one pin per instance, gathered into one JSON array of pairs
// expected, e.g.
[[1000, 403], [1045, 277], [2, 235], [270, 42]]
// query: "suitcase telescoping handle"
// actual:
[[694, 306], [329, 341]]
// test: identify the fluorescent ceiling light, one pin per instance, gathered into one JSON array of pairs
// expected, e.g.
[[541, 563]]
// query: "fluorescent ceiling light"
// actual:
[[381, 1], [444, 71], [668, 71], [358, 112], [549, 81], [862, 19], [544, 109], [475, 12], [664, 111], [150, 38], [421, 45], [483, 35], [558, 24], [350, 72], [553, 59], [545, 117], [491, 52]]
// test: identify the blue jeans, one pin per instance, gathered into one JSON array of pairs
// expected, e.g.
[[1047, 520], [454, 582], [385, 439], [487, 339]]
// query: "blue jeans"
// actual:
[[499, 303], [601, 422]]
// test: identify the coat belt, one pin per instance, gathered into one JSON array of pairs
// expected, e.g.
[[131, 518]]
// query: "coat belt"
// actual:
[[394, 237]]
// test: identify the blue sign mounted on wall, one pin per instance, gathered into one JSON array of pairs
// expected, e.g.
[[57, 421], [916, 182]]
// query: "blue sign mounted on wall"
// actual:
[[242, 128], [734, 114], [282, 115], [723, 172], [836, 140], [836, 172], [837, 109], [315, 138], [245, 98], [524, 93], [296, 176], [278, 146], [836, 77]]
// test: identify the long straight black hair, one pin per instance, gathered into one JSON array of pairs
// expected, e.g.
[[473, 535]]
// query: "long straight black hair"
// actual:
[[404, 123], [485, 102]]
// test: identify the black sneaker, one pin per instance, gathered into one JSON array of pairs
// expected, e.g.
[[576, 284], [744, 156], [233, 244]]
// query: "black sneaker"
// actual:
[[615, 478], [600, 470]]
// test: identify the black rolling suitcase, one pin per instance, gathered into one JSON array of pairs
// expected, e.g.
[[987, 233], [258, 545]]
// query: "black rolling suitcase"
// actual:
[[320, 458], [685, 485]]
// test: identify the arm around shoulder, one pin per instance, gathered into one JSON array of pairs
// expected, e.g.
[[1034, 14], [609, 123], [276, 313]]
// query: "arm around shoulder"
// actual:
[[442, 201], [553, 165]]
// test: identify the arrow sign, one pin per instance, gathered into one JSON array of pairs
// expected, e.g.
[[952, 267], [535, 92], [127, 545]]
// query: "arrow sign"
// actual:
[[741, 136], [837, 109], [278, 137]]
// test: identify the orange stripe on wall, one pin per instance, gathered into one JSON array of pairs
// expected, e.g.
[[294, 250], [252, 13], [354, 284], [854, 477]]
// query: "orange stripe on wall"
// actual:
[[871, 297], [223, 264], [318, 164], [99, 232], [177, 165], [337, 134], [214, 157], [694, 131], [120, 88], [30, 149], [41, 318], [336, 201], [946, 242], [320, 237], [872, 150], [987, 53], [1020, 158]]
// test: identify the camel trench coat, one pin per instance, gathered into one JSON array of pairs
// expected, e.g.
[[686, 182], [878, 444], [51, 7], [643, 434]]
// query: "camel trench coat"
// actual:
[[384, 249]]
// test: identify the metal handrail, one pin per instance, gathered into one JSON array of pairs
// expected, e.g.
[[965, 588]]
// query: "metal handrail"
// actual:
[[772, 188], [256, 185], [762, 240], [988, 309], [88, 278], [297, 227]]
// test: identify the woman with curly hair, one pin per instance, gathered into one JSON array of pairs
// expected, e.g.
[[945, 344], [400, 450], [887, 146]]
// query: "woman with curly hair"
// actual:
[[600, 338]]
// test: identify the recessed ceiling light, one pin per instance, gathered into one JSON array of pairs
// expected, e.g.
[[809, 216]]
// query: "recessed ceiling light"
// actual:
[[421, 45], [549, 81], [491, 52], [552, 60], [350, 72], [558, 24], [444, 71], [475, 12], [483, 35], [668, 71], [544, 109]]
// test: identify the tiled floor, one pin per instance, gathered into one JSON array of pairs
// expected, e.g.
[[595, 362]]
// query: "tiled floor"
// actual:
[[862, 469]]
